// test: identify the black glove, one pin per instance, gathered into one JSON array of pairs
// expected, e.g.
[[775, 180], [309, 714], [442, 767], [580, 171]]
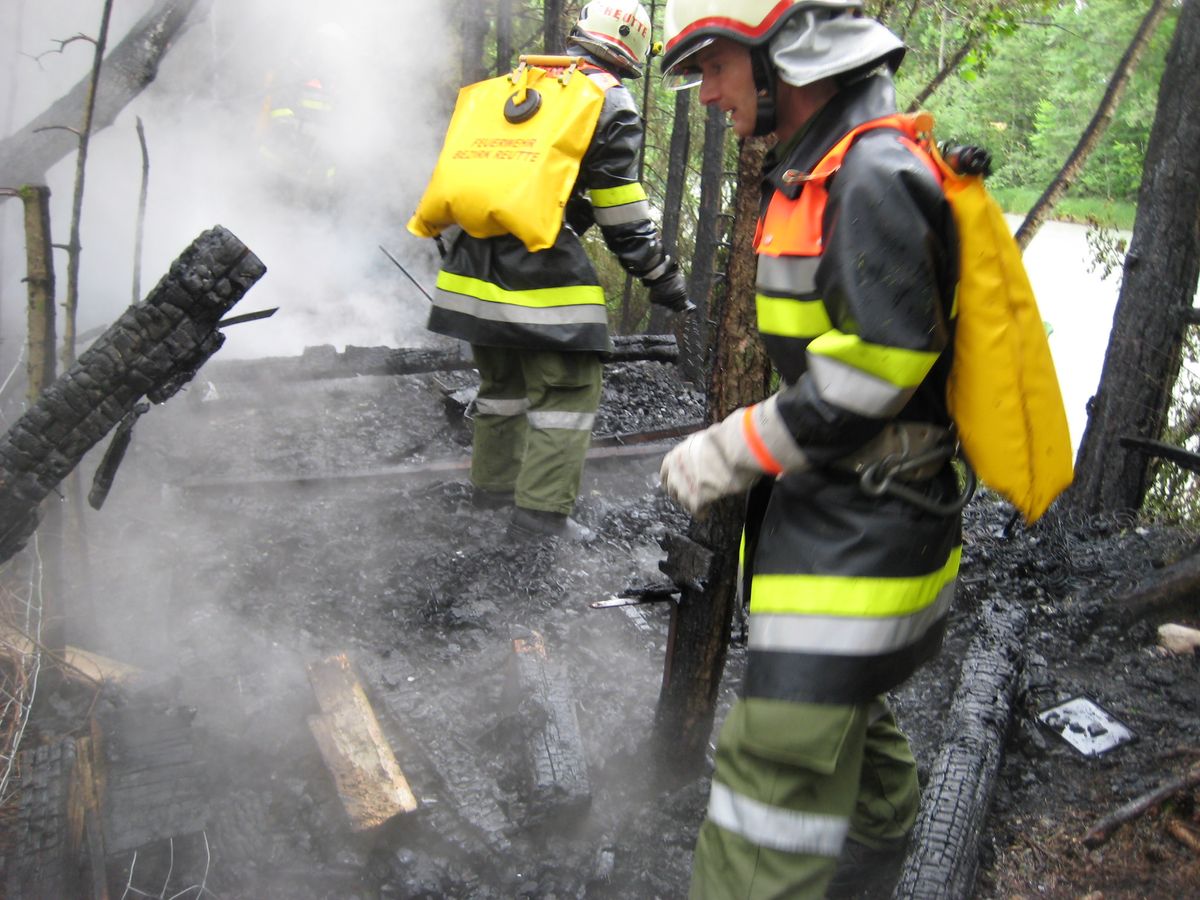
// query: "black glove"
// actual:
[[670, 291]]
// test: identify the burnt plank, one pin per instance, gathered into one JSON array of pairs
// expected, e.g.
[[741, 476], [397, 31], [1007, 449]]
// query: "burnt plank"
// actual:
[[538, 689]]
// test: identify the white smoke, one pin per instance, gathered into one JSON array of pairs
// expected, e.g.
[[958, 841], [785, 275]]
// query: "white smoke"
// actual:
[[390, 78]]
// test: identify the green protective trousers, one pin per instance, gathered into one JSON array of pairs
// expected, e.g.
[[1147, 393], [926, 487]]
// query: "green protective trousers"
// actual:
[[533, 423], [792, 782]]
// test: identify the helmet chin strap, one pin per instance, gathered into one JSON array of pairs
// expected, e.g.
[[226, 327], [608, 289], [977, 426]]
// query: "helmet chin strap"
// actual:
[[765, 117]]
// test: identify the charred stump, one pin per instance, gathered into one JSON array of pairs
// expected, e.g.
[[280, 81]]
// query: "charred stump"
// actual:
[[151, 351]]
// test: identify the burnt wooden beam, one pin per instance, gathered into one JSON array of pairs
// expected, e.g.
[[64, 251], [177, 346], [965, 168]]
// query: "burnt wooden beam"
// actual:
[[944, 848], [326, 361], [369, 781], [151, 351], [538, 694], [55, 844]]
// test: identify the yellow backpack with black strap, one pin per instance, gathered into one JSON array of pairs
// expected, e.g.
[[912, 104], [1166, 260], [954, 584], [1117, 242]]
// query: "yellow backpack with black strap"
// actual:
[[1003, 391], [512, 151]]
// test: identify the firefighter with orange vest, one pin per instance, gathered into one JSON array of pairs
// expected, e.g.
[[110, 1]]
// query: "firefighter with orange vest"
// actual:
[[537, 321], [853, 536]]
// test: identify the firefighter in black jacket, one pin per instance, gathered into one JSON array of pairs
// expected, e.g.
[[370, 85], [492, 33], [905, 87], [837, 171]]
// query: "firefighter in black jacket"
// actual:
[[537, 322], [850, 588]]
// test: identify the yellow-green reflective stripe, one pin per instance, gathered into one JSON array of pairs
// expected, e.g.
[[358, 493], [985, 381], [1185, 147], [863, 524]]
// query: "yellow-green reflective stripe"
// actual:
[[903, 368], [281, 113], [615, 196], [791, 318], [859, 596], [537, 298]]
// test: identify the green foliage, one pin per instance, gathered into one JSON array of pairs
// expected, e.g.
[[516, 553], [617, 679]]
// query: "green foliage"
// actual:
[[1042, 84]]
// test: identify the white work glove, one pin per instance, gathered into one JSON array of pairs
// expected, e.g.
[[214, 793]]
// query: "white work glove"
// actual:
[[728, 457]]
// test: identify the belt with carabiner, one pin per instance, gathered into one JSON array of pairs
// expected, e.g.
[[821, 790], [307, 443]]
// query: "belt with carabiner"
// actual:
[[903, 455]]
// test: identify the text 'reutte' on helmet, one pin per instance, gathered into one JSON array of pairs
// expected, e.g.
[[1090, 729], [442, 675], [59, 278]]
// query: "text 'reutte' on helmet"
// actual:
[[691, 25], [616, 31]]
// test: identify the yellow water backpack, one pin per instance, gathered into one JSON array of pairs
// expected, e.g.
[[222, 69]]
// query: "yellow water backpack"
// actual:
[[512, 151], [1003, 391]]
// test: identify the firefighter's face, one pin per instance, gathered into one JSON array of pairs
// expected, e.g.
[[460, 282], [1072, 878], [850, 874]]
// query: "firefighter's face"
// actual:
[[727, 81]]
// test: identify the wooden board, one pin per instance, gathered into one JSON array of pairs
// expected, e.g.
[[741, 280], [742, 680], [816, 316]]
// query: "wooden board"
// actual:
[[368, 778]]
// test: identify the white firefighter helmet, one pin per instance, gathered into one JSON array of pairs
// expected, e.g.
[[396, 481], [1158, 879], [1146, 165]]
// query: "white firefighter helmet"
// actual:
[[617, 31], [691, 25]]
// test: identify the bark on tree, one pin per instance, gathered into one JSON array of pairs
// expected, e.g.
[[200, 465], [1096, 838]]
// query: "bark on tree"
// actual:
[[39, 276], [700, 633], [709, 231], [948, 68], [474, 23], [552, 30], [27, 155], [1096, 127], [677, 164], [84, 135], [504, 44], [1145, 349]]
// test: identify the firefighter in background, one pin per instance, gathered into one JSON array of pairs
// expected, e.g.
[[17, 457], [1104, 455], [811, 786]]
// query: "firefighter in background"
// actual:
[[297, 123], [849, 592], [537, 322]]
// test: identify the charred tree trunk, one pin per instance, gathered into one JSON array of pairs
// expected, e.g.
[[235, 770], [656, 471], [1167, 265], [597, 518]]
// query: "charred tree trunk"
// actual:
[[677, 160], [709, 232], [1097, 127], [701, 625], [152, 350], [27, 155], [1161, 270]]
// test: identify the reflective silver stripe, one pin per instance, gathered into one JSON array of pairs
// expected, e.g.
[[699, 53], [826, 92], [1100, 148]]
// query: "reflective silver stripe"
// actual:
[[845, 635], [638, 211], [787, 275], [501, 406], [569, 421], [659, 270], [774, 827], [575, 314], [856, 390]]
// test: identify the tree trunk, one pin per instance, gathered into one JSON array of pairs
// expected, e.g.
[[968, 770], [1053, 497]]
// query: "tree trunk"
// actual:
[[947, 69], [1145, 350], [552, 31], [694, 358], [504, 44], [474, 24], [677, 162], [39, 276], [71, 305], [1097, 127], [700, 632], [27, 155]]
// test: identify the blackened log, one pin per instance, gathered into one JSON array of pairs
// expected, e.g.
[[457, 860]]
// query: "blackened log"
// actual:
[[39, 858], [326, 362], [538, 695], [1183, 458], [944, 849], [151, 351]]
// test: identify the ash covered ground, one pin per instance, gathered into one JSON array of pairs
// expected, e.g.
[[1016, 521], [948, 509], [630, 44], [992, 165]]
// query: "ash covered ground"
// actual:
[[255, 529]]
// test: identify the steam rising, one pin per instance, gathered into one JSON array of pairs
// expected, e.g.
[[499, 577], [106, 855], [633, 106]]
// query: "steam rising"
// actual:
[[388, 77]]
